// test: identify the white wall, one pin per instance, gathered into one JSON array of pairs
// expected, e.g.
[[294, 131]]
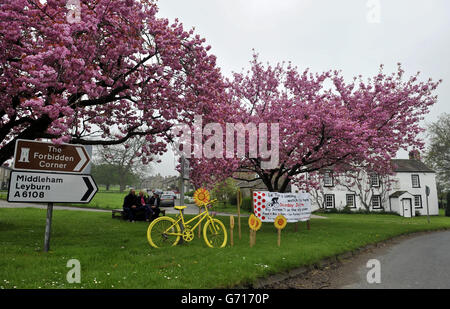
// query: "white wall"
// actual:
[[403, 183], [426, 179]]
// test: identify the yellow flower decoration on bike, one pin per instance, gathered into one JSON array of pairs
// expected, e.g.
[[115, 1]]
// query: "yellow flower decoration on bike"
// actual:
[[280, 222], [254, 222], [201, 197]]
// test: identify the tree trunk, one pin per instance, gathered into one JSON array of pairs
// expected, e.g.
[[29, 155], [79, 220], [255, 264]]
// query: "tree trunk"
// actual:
[[122, 182], [447, 208]]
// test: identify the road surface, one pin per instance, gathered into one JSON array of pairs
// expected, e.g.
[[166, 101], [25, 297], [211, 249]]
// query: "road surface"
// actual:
[[421, 262], [416, 261]]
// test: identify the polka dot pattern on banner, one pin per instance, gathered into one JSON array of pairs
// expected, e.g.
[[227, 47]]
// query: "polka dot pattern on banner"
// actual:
[[259, 204]]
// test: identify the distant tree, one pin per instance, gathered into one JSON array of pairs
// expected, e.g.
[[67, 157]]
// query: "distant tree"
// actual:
[[108, 175], [105, 174], [225, 191], [124, 161], [438, 152]]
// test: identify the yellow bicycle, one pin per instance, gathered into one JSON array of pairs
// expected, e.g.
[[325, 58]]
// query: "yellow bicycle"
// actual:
[[166, 231]]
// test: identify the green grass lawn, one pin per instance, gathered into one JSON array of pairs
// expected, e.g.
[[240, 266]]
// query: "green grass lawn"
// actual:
[[115, 253]]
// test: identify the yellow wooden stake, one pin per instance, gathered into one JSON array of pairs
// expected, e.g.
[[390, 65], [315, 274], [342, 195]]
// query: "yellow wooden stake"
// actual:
[[231, 230], [239, 204], [252, 238], [200, 225], [280, 223], [255, 224], [279, 237]]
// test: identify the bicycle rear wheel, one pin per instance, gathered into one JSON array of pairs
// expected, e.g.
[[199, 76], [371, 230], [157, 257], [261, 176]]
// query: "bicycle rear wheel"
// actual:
[[163, 232], [215, 234]]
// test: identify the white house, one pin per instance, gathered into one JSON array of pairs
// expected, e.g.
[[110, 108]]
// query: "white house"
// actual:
[[5, 173], [403, 193]]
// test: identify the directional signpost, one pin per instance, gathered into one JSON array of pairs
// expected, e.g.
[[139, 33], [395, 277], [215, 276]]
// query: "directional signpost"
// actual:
[[427, 193], [50, 173]]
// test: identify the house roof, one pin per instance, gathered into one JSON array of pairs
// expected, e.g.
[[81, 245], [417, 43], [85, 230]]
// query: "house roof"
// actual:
[[397, 193], [408, 165], [6, 167]]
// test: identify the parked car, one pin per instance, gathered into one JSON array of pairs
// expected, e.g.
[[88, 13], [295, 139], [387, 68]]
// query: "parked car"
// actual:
[[151, 191], [167, 201], [170, 193]]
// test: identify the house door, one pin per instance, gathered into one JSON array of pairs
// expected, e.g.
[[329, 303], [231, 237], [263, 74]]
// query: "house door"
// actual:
[[407, 207]]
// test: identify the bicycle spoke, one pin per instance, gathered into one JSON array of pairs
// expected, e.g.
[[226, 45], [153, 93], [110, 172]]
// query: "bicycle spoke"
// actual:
[[215, 234], [163, 233]]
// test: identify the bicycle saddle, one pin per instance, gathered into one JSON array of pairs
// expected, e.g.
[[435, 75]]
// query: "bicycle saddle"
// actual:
[[180, 207]]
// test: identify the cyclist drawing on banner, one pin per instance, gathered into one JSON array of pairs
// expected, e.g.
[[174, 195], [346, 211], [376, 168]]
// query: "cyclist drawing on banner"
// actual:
[[274, 202]]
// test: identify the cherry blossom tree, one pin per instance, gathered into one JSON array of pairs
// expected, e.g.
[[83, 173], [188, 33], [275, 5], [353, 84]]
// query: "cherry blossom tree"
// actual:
[[99, 75], [324, 121]]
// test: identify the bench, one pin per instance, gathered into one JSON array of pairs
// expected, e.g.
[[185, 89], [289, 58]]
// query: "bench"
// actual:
[[119, 214]]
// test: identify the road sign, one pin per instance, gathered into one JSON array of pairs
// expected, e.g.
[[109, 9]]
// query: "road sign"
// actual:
[[36, 187], [427, 192], [45, 156]]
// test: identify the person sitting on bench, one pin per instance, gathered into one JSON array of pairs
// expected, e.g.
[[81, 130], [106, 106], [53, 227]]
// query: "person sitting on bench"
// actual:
[[154, 203], [142, 204], [130, 205]]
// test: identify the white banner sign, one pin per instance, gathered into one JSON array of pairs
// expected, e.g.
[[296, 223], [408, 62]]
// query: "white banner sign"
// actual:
[[294, 206]]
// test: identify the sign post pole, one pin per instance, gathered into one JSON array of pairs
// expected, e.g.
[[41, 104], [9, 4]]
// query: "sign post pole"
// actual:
[[182, 178], [427, 192], [48, 227]]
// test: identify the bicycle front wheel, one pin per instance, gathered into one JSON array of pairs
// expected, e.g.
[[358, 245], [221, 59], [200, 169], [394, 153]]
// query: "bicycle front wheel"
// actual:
[[215, 234], [163, 232]]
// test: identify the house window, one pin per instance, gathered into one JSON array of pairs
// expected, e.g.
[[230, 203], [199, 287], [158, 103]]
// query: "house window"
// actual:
[[329, 200], [415, 181], [351, 202], [376, 202], [374, 180], [328, 179], [418, 201]]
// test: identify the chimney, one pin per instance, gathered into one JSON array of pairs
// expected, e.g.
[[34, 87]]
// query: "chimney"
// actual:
[[414, 155]]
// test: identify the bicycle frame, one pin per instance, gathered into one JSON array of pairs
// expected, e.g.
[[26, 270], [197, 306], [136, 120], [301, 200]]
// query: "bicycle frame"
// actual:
[[201, 216]]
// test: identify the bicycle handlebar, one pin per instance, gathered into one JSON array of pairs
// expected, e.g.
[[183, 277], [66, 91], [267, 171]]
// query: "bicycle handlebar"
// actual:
[[209, 204]]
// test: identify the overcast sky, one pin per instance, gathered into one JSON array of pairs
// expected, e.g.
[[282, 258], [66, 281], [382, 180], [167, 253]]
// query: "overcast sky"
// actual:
[[354, 36]]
